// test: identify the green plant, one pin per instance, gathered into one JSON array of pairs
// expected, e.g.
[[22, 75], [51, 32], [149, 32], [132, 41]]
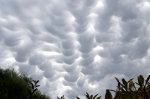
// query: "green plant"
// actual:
[[62, 97], [108, 95], [34, 85], [88, 96], [18, 86], [133, 90]]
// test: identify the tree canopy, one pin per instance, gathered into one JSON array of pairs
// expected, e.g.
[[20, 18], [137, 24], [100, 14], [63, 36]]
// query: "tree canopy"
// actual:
[[18, 86]]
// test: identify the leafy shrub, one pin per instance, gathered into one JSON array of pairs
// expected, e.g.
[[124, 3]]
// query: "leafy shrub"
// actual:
[[15, 86], [133, 90]]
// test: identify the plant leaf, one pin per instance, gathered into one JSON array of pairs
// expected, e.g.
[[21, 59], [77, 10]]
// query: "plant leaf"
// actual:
[[125, 83], [95, 96], [117, 79], [147, 79], [140, 80], [108, 95]]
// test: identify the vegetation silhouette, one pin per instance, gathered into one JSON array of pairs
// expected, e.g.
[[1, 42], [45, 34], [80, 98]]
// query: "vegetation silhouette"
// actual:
[[19, 86], [133, 90]]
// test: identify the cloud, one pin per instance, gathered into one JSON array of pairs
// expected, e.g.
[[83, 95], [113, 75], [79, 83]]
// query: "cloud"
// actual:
[[74, 46]]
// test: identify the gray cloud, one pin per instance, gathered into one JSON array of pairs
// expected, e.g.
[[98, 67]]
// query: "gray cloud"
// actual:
[[74, 46]]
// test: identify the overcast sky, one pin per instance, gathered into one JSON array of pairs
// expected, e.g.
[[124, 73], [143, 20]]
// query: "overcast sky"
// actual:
[[74, 46]]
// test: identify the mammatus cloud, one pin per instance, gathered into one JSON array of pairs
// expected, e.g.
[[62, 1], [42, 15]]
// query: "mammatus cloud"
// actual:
[[74, 46]]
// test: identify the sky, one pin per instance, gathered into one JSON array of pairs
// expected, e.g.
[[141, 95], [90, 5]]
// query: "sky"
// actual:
[[75, 46]]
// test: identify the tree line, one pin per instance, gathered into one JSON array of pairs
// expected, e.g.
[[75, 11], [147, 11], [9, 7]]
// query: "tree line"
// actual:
[[20, 86]]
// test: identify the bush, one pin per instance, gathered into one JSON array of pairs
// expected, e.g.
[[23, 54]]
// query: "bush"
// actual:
[[133, 90], [15, 86]]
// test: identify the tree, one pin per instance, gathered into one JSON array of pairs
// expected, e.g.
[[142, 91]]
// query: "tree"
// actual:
[[18, 86]]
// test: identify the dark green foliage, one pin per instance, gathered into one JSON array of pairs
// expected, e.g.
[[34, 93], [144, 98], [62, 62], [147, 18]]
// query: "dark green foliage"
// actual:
[[128, 89], [88, 96], [108, 95], [62, 97], [34, 85], [38, 95], [92, 96], [15, 86]]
